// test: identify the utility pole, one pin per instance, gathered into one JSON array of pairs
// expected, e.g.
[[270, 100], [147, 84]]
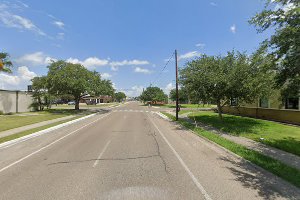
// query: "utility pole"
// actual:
[[177, 106]]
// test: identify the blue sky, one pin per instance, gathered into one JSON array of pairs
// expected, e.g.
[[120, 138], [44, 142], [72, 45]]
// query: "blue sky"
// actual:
[[128, 41]]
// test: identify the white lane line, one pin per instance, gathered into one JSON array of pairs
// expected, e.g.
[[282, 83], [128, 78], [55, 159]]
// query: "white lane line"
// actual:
[[195, 180], [52, 143], [39, 133], [101, 154]]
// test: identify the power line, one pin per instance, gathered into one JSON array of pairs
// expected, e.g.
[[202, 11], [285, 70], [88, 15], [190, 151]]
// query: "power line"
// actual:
[[163, 69]]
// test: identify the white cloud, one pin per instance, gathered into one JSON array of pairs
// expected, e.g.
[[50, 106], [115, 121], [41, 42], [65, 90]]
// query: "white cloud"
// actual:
[[233, 29], [25, 74], [11, 20], [189, 55], [90, 62], [60, 36], [213, 4], [23, 4], [133, 91], [201, 45], [106, 75], [35, 59], [168, 88], [18, 81], [116, 64], [59, 24], [142, 70], [129, 62]]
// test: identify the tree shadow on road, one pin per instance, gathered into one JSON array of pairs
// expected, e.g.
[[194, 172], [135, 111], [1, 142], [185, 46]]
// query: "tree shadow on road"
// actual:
[[266, 184]]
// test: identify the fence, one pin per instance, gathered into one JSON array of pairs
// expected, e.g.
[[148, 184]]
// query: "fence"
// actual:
[[281, 115], [15, 101]]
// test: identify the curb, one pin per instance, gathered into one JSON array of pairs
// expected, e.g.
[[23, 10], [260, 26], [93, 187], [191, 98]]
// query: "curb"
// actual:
[[232, 153], [36, 134]]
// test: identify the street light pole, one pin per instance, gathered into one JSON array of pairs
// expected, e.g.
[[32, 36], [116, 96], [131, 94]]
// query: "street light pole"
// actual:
[[177, 97]]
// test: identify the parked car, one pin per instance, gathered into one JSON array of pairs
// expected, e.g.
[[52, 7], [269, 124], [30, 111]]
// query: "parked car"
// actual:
[[71, 103]]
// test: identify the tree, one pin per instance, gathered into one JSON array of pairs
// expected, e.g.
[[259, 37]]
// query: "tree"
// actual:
[[5, 63], [72, 79], [120, 96], [99, 86], [221, 79], [284, 43], [153, 94], [182, 95], [40, 93]]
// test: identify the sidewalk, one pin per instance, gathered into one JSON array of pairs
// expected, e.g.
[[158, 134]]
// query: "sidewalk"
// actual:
[[32, 126], [285, 157]]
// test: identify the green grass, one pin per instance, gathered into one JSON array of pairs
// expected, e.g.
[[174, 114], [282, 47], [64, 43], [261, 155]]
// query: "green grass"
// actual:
[[284, 137], [21, 134], [274, 166], [13, 121], [184, 105], [185, 111], [84, 106]]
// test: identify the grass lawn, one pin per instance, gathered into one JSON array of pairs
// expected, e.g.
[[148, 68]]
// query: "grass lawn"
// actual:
[[186, 106], [277, 135], [21, 134], [13, 121], [82, 105], [278, 168]]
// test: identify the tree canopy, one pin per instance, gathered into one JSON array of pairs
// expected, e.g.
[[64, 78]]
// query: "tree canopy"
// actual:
[[120, 96], [153, 94], [5, 63], [284, 43], [65, 78], [220, 79], [182, 95]]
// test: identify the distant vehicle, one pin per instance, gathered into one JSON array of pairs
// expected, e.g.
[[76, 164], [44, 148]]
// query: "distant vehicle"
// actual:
[[71, 103]]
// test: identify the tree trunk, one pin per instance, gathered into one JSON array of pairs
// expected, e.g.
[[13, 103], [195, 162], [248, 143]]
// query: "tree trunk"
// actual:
[[219, 109], [77, 103]]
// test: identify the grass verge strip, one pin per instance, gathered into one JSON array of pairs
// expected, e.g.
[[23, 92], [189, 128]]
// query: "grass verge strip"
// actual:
[[28, 132], [272, 165]]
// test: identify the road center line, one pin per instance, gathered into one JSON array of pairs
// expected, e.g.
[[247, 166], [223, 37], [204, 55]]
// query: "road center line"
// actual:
[[195, 180], [52, 143], [100, 155]]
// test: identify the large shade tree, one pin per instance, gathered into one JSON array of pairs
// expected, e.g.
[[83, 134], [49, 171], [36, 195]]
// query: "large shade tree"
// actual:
[[5, 63], [153, 94], [285, 42], [120, 96], [182, 95], [74, 79], [220, 79]]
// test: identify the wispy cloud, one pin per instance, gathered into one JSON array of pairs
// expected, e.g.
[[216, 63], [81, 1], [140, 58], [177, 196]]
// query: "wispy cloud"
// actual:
[[90, 62], [201, 45], [115, 64], [59, 24], [213, 4], [35, 59], [12, 20], [233, 29], [142, 70], [188, 55], [106, 75]]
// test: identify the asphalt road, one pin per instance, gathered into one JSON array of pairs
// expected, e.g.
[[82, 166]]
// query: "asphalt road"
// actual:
[[130, 153]]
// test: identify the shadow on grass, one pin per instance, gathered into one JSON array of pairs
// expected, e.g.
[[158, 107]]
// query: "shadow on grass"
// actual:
[[231, 124], [76, 112], [287, 144], [266, 185]]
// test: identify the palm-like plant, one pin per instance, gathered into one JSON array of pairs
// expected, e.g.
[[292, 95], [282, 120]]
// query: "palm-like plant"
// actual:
[[5, 63]]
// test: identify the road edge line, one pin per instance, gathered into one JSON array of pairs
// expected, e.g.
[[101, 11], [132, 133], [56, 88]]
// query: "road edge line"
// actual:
[[195, 180], [50, 144], [38, 133]]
